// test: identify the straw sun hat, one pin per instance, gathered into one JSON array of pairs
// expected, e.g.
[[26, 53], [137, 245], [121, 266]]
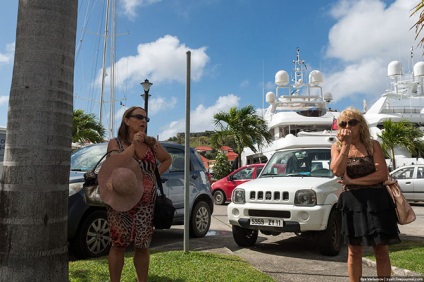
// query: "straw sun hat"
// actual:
[[120, 182]]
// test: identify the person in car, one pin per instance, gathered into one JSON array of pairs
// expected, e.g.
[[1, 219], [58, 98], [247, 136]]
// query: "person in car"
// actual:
[[368, 212], [135, 226]]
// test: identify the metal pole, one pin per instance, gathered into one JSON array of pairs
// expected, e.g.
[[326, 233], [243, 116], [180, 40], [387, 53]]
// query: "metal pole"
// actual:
[[146, 105], [187, 161]]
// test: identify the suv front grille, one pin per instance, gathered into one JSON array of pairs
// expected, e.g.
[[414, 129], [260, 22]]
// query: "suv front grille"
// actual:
[[268, 196]]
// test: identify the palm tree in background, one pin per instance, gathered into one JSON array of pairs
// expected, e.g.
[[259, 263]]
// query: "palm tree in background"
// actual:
[[401, 134], [86, 129], [419, 25], [34, 187], [245, 126]]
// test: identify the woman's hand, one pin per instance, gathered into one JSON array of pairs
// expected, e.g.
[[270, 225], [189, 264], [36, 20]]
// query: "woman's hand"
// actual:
[[345, 136], [345, 180], [139, 138]]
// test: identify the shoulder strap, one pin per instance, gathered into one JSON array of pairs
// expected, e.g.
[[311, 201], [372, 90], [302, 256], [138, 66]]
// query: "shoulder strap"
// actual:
[[94, 169], [157, 174]]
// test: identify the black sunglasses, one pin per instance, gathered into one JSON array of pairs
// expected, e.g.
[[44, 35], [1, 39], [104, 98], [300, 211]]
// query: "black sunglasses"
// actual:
[[352, 122], [140, 117]]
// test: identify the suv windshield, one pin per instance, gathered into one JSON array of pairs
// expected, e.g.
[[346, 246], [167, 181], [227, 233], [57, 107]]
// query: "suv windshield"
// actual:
[[300, 162], [86, 158]]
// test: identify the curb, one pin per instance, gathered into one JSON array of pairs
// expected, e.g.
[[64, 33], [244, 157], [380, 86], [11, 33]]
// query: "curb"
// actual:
[[397, 271]]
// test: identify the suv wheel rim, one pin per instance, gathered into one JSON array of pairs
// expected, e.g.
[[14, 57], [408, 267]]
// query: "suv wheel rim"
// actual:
[[98, 236]]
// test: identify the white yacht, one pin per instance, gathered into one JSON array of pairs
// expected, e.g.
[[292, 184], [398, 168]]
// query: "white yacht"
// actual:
[[296, 110], [403, 101], [300, 110]]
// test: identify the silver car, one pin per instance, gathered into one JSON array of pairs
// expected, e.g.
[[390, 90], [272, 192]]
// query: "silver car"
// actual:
[[88, 231], [411, 181]]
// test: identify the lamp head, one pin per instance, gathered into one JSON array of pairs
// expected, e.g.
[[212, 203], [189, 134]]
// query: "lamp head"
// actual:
[[146, 85]]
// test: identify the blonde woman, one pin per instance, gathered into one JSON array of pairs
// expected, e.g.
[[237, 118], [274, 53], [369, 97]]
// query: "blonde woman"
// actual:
[[368, 213]]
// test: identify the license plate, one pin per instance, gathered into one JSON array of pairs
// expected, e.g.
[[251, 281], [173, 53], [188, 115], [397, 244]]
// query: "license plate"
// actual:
[[263, 221]]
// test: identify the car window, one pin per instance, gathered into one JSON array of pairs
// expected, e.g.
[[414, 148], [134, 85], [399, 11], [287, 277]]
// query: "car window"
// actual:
[[404, 173], [420, 172], [246, 173], [86, 158], [304, 162], [178, 163], [258, 170]]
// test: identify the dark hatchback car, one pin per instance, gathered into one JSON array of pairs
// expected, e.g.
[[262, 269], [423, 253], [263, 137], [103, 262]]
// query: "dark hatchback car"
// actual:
[[88, 230]]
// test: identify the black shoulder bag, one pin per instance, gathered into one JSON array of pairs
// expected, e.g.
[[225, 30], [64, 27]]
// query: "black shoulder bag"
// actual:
[[164, 208]]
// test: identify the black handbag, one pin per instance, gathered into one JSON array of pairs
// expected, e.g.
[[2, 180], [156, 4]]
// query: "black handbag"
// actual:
[[164, 208], [91, 186]]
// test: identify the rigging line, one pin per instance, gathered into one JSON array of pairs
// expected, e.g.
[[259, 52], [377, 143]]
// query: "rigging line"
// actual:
[[84, 26]]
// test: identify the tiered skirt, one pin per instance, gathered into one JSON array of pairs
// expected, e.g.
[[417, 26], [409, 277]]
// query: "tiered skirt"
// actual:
[[368, 217]]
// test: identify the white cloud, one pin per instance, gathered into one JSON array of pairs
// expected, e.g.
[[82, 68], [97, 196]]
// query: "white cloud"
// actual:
[[367, 36], [245, 83], [163, 60], [368, 29], [130, 6], [7, 58], [4, 100], [201, 118]]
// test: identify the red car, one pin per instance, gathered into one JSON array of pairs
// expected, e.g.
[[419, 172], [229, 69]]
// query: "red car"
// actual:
[[222, 189]]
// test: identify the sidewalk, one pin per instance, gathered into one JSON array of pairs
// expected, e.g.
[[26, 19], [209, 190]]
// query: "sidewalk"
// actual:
[[285, 257]]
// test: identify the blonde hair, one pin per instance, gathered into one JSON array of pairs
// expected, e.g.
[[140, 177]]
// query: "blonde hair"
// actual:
[[364, 131]]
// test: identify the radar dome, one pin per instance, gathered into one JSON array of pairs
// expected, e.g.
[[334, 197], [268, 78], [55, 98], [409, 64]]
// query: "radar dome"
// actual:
[[270, 97], [419, 69], [315, 78], [281, 78], [328, 97], [394, 68]]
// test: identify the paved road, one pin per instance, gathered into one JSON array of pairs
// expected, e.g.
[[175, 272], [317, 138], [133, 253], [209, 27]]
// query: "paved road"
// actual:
[[285, 257]]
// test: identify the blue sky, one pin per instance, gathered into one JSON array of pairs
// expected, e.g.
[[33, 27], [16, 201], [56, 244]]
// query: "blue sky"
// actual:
[[236, 47]]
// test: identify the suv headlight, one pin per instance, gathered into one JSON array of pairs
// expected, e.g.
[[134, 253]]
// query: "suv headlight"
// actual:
[[305, 197], [239, 196], [75, 188]]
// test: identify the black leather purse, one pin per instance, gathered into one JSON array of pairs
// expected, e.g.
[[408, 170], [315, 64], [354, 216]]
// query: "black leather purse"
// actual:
[[164, 208]]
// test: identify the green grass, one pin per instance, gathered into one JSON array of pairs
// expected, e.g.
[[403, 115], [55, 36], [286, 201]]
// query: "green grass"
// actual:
[[174, 266], [407, 255]]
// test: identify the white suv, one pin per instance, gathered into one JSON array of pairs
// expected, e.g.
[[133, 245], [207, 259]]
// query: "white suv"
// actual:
[[296, 192]]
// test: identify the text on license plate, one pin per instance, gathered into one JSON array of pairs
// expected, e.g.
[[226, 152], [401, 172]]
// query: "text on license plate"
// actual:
[[266, 221]]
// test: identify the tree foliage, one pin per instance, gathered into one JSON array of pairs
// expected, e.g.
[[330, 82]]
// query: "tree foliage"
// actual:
[[401, 134], [419, 25], [222, 166], [85, 128], [245, 126]]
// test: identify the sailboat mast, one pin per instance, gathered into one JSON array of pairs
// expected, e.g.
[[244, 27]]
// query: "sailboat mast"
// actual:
[[112, 70], [104, 61]]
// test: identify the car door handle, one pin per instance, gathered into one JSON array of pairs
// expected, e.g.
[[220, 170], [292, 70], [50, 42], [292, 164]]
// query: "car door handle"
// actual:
[[408, 182], [194, 176]]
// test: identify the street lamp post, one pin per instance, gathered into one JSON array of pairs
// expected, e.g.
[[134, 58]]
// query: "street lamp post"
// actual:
[[146, 86]]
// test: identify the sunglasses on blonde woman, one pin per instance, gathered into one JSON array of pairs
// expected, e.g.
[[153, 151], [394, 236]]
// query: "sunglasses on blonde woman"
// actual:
[[352, 122], [140, 117]]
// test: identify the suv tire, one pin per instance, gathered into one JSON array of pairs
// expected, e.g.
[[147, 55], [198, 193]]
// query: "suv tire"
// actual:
[[330, 240], [245, 237], [92, 237], [219, 197], [200, 220]]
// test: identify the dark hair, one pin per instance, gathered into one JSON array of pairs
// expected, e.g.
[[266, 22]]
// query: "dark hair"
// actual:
[[123, 131]]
